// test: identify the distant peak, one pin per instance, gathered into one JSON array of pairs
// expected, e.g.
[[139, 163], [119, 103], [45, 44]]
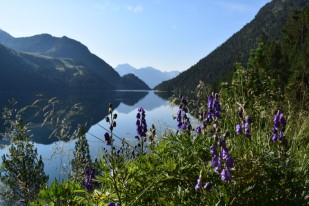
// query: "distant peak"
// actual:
[[5, 34]]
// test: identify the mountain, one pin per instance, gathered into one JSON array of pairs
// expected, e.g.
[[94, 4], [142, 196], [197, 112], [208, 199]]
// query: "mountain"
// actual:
[[218, 65], [27, 71], [133, 82], [151, 76], [45, 51]]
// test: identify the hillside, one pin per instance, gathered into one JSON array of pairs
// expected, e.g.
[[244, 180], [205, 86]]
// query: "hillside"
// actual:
[[26, 71], [218, 65], [151, 76], [82, 68], [133, 82]]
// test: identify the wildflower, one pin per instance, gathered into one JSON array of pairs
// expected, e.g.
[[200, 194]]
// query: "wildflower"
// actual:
[[182, 118], [244, 127], [214, 108], [141, 125], [90, 175], [107, 138], [198, 184], [238, 129], [226, 175], [279, 127], [229, 162], [198, 130], [209, 104], [215, 162], [247, 130], [219, 168], [213, 150], [274, 138], [112, 204], [224, 153]]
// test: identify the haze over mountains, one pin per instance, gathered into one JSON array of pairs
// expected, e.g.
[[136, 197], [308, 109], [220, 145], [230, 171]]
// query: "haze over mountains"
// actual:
[[218, 65], [44, 62], [151, 76]]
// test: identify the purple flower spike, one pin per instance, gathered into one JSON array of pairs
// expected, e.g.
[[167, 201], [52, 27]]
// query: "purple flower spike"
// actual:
[[279, 127]]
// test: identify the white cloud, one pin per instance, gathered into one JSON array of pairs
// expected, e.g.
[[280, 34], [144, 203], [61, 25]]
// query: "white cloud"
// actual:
[[135, 9]]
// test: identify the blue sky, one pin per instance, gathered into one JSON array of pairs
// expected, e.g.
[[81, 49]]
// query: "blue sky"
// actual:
[[166, 34]]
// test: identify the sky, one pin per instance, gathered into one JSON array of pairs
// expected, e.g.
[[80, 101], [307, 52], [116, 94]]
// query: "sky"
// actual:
[[165, 34]]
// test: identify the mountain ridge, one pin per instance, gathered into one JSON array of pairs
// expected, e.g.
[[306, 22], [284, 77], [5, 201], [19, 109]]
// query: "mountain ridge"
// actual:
[[150, 75], [217, 65], [71, 53]]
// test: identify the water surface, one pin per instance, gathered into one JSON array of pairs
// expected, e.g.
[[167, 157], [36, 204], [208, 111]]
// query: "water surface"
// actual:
[[90, 111]]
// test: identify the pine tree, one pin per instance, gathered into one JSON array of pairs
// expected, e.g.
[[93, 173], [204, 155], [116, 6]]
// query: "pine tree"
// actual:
[[82, 159], [22, 172]]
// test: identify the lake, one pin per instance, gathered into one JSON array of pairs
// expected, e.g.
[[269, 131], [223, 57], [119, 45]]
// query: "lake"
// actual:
[[89, 109]]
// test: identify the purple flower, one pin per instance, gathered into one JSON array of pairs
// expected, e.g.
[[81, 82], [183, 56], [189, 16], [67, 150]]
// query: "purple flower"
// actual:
[[218, 169], [107, 138], [138, 115], [229, 162], [224, 153], [226, 175], [209, 104], [208, 117], [198, 184], [279, 126], [215, 162], [247, 130], [213, 150], [198, 130], [282, 120], [274, 137], [112, 204], [90, 175], [238, 129], [141, 125]]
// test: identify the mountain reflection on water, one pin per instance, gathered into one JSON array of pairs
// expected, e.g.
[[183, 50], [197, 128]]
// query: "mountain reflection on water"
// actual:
[[84, 108], [91, 109]]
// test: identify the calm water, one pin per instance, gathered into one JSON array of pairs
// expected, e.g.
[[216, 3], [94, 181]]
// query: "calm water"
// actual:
[[92, 109]]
